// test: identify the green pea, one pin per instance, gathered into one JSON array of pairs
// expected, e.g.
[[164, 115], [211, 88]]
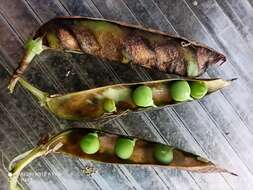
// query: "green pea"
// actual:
[[180, 90], [109, 105], [198, 89], [124, 147], [90, 143], [163, 154], [142, 96]]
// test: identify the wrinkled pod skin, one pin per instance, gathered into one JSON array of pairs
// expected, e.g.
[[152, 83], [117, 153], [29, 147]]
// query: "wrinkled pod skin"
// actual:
[[125, 43], [68, 142]]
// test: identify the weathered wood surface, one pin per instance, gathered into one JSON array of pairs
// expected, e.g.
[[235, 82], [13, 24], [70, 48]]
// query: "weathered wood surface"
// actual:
[[218, 127]]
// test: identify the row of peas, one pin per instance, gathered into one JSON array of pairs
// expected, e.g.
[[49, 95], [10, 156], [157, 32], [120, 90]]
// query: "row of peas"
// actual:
[[180, 90], [124, 148]]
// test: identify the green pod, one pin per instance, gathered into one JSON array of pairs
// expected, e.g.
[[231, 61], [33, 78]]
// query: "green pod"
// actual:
[[124, 43], [68, 143], [89, 104]]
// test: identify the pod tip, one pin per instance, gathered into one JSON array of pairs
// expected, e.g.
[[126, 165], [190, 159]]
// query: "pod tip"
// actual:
[[234, 174], [229, 172]]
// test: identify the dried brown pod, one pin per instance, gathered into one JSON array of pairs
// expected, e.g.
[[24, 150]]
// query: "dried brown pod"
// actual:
[[68, 142], [118, 41], [88, 104]]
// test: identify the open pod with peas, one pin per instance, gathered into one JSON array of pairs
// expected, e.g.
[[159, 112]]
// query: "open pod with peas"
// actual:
[[120, 42], [111, 148], [113, 100]]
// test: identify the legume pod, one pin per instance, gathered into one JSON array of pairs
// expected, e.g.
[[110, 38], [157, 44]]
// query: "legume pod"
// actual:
[[88, 104], [121, 42], [68, 142]]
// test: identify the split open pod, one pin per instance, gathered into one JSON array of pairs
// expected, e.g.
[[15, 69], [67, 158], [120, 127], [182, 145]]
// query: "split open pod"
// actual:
[[113, 100], [121, 42], [109, 148]]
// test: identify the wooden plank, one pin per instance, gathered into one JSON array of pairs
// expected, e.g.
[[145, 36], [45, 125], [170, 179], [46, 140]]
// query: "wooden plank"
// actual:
[[24, 22], [46, 10], [231, 14], [3, 180], [243, 10], [213, 143], [9, 43]]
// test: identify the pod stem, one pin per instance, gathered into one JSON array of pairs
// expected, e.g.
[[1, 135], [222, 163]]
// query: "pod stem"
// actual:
[[22, 161], [32, 48], [40, 95]]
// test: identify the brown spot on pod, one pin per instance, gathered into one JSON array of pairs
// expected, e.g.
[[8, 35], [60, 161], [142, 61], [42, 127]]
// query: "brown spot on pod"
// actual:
[[86, 39], [67, 39], [139, 51]]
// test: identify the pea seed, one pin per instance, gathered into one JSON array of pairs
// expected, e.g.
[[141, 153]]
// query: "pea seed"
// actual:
[[90, 143], [109, 105], [124, 147], [180, 90], [163, 154], [198, 89], [142, 96]]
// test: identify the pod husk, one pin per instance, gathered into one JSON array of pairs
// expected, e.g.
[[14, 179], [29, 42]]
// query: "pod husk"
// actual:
[[68, 142], [125, 43], [88, 104]]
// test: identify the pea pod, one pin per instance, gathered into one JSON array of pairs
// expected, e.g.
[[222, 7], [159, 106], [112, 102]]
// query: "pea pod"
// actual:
[[89, 104], [68, 142], [120, 42]]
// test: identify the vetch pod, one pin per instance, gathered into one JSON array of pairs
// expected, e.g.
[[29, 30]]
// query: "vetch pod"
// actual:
[[89, 104], [118, 41], [68, 142]]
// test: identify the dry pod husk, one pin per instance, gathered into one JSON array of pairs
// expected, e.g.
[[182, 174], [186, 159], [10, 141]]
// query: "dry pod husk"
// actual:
[[88, 104], [68, 142], [120, 42]]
